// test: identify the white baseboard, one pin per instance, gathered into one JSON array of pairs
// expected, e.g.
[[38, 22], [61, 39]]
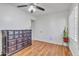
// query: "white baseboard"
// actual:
[[50, 42], [71, 51]]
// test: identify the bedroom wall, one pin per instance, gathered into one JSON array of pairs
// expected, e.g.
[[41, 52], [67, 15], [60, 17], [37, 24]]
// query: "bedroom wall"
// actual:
[[33, 28], [13, 18], [73, 30], [49, 28]]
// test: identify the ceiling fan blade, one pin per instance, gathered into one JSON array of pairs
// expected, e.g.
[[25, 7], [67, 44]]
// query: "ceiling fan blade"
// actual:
[[22, 6], [40, 8]]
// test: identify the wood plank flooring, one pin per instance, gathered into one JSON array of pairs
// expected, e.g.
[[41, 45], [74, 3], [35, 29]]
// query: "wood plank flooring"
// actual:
[[39, 48]]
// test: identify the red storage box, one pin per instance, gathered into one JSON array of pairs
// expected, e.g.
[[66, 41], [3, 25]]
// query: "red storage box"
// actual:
[[66, 39]]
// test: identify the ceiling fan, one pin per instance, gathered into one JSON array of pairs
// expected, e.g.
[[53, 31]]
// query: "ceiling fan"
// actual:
[[32, 7]]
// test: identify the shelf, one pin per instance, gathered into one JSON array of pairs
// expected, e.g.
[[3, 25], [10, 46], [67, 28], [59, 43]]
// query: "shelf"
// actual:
[[12, 40]]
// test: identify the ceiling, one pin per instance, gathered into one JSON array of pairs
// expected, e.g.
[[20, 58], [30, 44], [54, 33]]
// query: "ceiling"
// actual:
[[49, 8]]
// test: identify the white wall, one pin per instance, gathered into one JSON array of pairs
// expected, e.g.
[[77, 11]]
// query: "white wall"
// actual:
[[73, 30], [50, 27], [33, 28], [13, 18]]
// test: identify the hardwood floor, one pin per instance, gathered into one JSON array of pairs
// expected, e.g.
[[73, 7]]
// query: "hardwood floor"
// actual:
[[39, 48]]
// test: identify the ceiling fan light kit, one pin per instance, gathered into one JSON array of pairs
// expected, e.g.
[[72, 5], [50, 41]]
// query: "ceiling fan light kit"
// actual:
[[32, 7]]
